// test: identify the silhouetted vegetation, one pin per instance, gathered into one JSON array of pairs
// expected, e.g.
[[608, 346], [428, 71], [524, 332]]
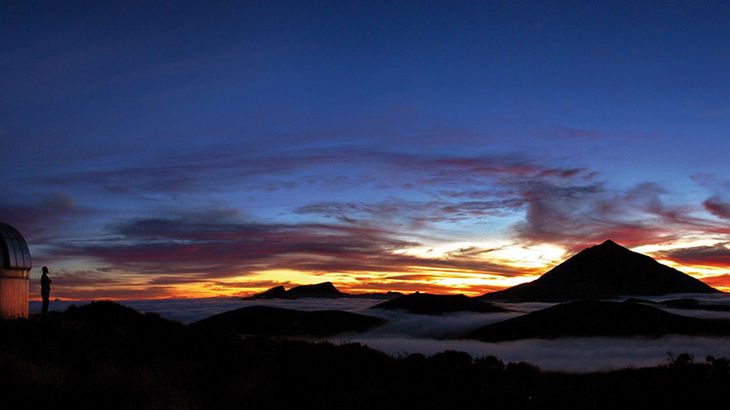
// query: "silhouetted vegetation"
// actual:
[[107, 356]]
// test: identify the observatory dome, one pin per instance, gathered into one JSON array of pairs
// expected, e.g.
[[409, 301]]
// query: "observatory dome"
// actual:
[[14, 252], [15, 264]]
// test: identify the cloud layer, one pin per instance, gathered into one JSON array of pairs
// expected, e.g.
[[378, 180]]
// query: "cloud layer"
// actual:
[[387, 224], [407, 333]]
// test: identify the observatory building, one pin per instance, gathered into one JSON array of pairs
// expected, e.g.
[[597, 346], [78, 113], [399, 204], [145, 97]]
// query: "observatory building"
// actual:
[[14, 269]]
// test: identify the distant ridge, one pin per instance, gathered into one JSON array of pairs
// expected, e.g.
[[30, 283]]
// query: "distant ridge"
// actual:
[[592, 318], [277, 292], [324, 290], [427, 304], [603, 271], [320, 290], [685, 303]]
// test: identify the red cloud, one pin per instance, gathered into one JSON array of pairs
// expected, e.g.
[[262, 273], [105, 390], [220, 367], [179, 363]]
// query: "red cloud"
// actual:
[[717, 207]]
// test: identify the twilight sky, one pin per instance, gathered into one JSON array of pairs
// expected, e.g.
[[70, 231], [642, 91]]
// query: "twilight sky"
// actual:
[[184, 149]]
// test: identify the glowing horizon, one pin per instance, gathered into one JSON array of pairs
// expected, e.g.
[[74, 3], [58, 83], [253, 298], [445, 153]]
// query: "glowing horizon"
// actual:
[[424, 279]]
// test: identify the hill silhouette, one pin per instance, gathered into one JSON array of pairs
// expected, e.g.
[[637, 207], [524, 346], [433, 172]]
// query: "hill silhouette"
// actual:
[[272, 321], [590, 318], [108, 313], [604, 271], [116, 318], [427, 304], [325, 290], [684, 303]]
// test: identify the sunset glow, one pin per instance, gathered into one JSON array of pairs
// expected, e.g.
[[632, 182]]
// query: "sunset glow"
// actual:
[[526, 264]]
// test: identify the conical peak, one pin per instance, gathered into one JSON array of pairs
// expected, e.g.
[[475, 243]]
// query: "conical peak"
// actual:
[[609, 242], [594, 258], [607, 270], [610, 246]]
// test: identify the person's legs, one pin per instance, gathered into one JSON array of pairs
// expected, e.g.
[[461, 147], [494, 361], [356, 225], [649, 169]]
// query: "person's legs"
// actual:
[[45, 303]]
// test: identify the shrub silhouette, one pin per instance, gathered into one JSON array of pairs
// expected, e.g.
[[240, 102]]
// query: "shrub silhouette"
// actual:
[[683, 360], [450, 359], [489, 364]]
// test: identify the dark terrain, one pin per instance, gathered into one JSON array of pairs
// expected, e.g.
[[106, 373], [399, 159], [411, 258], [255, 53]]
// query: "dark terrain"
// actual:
[[685, 303], [427, 304], [598, 318], [272, 321], [107, 356], [605, 271]]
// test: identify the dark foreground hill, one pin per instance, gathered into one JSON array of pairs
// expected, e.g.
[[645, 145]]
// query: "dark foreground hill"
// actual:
[[325, 290], [604, 271], [111, 358], [427, 304], [597, 318], [271, 321]]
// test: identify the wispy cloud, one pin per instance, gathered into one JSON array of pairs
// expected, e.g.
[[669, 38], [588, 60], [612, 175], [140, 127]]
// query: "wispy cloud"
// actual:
[[219, 167], [714, 255], [40, 219], [567, 206], [578, 215], [209, 248], [717, 207]]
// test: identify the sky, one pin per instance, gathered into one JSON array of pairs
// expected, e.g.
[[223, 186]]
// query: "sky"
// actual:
[[199, 149]]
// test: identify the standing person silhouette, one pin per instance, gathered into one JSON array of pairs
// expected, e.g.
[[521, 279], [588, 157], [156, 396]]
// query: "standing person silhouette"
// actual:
[[45, 289]]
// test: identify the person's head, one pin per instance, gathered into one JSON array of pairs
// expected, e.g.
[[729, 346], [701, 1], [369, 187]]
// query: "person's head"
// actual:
[[45, 270]]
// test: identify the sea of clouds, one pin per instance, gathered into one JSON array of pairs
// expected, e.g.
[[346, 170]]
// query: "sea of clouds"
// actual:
[[407, 333]]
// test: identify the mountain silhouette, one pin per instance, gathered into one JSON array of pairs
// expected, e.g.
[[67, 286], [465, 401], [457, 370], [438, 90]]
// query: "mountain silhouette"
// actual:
[[320, 290], [604, 271], [277, 292], [589, 318], [325, 290], [427, 304], [272, 321]]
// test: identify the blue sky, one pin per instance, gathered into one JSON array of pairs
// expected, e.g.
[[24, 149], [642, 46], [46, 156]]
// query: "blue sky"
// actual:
[[439, 146]]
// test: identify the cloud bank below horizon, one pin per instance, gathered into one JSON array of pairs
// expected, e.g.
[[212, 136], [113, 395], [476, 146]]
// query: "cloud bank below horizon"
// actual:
[[409, 333]]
